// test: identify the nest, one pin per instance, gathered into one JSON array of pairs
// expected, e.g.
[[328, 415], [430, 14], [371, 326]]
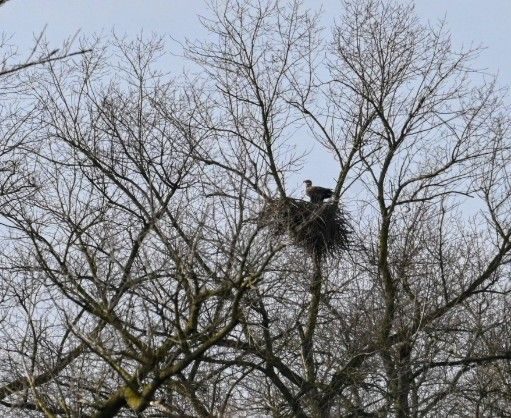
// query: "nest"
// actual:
[[319, 228]]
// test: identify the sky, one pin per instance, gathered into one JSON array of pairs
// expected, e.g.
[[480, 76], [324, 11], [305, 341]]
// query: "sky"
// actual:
[[485, 22], [472, 22]]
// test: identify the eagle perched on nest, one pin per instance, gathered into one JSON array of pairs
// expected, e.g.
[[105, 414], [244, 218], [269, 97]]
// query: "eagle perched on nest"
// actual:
[[316, 193]]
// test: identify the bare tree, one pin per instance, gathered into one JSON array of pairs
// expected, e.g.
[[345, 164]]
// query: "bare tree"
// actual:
[[139, 279], [139, 272], [14, 113], [393, 327]]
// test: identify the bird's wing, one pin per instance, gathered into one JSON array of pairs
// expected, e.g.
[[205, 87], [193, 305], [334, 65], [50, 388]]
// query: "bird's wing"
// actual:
[[322, 190]]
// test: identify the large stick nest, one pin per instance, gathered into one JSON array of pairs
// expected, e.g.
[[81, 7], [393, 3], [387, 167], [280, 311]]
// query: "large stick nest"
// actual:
[[319, 228]]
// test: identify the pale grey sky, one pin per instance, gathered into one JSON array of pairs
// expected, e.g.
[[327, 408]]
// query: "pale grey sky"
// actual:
[[480, 22], [485, 22]]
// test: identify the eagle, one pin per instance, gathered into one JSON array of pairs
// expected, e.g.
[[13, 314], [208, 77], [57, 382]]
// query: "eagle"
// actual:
[[316, 193]]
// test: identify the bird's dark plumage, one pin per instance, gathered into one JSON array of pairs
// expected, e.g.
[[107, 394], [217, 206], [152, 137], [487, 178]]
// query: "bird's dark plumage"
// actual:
[[316, 193]]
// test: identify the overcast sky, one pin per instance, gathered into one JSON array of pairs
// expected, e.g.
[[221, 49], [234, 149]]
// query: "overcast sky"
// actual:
[[486, 22], [480, 22]]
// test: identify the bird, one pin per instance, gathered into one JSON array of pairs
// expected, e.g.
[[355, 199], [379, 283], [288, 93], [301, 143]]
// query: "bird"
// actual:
[[316, 193]]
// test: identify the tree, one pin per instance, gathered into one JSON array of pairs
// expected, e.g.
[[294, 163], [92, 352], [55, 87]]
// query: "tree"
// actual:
[[14, 176], [138, 277]]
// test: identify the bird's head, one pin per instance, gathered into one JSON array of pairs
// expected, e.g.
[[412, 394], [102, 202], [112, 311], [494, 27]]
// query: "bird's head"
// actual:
[[308, 183]]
